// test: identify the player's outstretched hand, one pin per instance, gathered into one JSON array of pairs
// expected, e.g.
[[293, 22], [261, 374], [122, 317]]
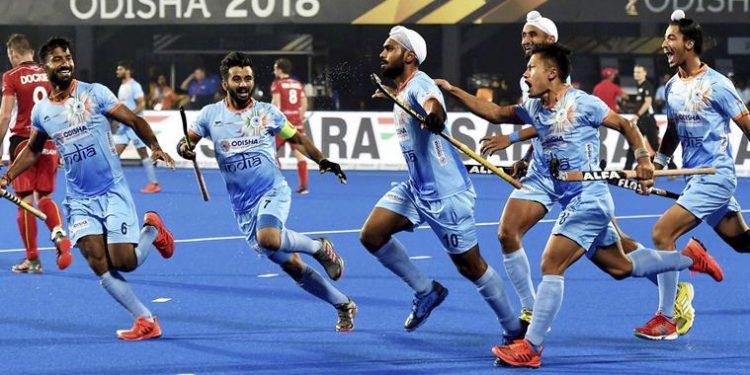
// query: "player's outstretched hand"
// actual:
[[645, 172], [185, 151], [159, 154], [492, 144], [379, 94], [443, 84], [520, 168], [434, 123], [329, 166]]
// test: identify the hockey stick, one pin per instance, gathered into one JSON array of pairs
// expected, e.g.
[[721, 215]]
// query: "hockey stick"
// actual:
[[20, 203], [198, 174], [465, 149], [635, 186], [616, 175]]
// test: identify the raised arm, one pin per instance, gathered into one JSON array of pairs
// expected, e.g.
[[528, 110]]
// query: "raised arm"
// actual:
[[487, 110]]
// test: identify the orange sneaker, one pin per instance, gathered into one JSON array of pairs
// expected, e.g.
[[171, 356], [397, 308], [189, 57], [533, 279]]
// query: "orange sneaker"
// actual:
[[143, 329], [164, 242], [658, 328], [62, 245], [519, 354], [702, 262], [151, 187]]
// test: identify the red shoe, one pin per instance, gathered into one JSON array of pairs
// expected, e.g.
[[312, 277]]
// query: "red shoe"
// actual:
[[164, 241], [702, 262], [658, 328], [143, 329], [519, 354], [151, 187], [62, 245]]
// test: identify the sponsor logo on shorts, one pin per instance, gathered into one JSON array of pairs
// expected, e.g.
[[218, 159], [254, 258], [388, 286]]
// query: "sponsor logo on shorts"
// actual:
[[394, 198], [79, 225]]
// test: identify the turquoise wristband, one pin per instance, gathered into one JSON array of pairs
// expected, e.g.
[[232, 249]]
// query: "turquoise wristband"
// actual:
[[514, 137]]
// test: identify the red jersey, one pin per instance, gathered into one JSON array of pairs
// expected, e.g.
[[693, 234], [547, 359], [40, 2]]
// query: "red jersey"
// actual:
[[608, 92], [28, 83], [292, 94]]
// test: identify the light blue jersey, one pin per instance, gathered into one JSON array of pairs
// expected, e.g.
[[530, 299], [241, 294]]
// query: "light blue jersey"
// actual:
[[129, 93], [702, 107], [568, 132], [245, 148], [435, 168], [83, 138], [537, 156]]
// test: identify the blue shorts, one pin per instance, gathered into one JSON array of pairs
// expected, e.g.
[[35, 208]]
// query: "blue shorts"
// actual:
[[451, 218], [710, 197], [125, 134], [537, 188], [112, 213], [276, 202], [587, 220]]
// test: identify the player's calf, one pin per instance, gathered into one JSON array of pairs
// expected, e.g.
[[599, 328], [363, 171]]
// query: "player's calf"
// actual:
[[62, 246]]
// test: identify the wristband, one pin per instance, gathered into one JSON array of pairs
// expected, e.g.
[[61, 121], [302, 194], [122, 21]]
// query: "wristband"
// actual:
[[514, 137], [662, 159], [641, 153]]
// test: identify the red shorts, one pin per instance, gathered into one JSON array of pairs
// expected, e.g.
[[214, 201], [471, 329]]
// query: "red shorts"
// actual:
[[39, 177], [280, 141]]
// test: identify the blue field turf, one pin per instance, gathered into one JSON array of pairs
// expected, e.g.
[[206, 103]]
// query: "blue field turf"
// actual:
[[224, 319]]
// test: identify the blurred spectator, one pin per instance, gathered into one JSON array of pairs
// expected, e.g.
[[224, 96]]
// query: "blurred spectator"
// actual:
[[660, 96], [644, 112], [161, 96], [607, 90], [200, 88], [741, 86]]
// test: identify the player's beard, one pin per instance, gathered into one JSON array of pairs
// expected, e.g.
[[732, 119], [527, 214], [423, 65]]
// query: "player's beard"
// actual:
[[393, 70], [57, 80], [237, 99]]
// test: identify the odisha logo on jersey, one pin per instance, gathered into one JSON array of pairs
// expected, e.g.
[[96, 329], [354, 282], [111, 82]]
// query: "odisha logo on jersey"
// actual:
[[688, 117], [553, 140], [70, 134], [238, 144]]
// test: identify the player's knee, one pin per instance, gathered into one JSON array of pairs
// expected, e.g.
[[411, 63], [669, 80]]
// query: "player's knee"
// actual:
[[510, 238], [662, 238], [270, 240], [371, 239], [740, 243]]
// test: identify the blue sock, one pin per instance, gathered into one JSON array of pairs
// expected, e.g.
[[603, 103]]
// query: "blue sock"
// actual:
[[293, 242], [651, 277], [667, 292], [491, 288], [549, 297], [393, 256], [150, 172], [145, 243], [650, 262], [119, 289], [316, 285], [519, 272]]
